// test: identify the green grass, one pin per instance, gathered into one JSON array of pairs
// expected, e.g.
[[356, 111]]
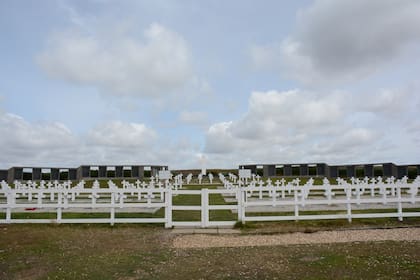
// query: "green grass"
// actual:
[[134, 252], [214, 199], [142, 251]]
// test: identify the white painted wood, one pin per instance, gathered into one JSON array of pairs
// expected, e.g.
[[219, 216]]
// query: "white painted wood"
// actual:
[[396, 194], [204, 208]]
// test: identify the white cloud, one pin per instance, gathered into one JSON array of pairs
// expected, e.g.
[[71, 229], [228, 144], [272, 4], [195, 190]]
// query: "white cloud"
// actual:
[[277, 118], [390, 102], [346, 142], [338, 41], [302, 126], [19, 133], [219, 139], [122, 135], [52, 144], [286, 117], [154, 65], [28, 143], [193, 118], [289, 126]]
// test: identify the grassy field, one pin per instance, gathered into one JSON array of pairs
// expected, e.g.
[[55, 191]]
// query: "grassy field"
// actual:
[[145, 252]]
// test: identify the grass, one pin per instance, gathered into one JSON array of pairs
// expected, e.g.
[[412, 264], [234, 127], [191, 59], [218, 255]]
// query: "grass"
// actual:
[[214, 199], [317, 225], [322, 225], [139, 252]]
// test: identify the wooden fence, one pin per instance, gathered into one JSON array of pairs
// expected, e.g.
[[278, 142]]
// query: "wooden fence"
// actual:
[[395, 199]]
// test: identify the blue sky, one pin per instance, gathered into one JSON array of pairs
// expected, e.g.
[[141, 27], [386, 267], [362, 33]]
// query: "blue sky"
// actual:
[[219, 83]]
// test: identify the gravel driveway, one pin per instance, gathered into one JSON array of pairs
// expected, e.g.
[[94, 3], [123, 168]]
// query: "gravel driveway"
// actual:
[[208, 241]]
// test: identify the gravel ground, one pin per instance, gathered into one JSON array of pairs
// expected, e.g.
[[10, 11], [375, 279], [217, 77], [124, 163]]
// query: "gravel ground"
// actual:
[[209, 241]]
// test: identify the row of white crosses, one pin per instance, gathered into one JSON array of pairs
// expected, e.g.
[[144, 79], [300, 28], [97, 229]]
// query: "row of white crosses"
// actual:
[[178, 181], [232, 177], [389, 187], [233, 180], [201, 176], [414, 189], [70, 193], [94, 193], [222, 177], [154, 186], [143, 190], [226, 183], [66, 192], [189, 178], [269, 187], [356, 186], [28, 189]]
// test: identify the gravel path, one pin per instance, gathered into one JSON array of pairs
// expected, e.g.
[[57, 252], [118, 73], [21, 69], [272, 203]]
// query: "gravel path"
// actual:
[[208, 241]]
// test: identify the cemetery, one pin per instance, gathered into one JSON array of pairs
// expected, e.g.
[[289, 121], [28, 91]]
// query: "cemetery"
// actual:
[[54, 226], [113, 195], [115, 221]]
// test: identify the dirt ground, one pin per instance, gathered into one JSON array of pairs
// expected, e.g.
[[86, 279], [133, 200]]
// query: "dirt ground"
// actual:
[[320, 237], [147, 252]]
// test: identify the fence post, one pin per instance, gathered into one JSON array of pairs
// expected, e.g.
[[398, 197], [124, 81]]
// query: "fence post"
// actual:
[[348, 195], [59, 209], [204, 208], [239, 195], [400, 213], [296, 204], [273, 196], [112, 214], [168, 208], [10, 205]]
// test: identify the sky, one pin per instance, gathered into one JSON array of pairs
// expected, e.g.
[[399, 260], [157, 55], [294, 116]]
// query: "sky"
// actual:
[[214, 84]]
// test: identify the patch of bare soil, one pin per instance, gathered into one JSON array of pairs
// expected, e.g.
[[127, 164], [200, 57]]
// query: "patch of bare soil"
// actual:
[[320, 237]]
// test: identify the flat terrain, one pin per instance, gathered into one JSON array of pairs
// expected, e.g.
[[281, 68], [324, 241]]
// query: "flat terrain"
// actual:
[[321, 237], [261, 250], [148, 252]]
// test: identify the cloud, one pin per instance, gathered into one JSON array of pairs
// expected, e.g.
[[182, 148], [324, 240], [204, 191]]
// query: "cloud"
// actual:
[[193, 118], [287, 116], [347, 142], [338, 41], [117, 142], [28, 143], [20, 133], [219, 140], [120, 63], [122, 135], [53, 144], [306, 126], [277, 118], [278, 127], [390, 102]]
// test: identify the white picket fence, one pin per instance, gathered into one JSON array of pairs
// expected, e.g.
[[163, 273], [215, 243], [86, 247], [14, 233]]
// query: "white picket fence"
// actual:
[[400, 196]]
